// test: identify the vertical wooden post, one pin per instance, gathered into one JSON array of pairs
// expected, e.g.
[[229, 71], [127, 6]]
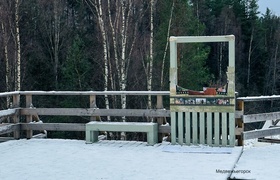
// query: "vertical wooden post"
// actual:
[[92, 104], [160, 120], [239, 122], [16, 103], [28, 102]]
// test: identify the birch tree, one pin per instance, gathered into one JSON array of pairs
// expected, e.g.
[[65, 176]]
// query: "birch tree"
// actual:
[[5, 29], [166, 45], [10, 31], [151, 55], [96, 6], [18, 48]]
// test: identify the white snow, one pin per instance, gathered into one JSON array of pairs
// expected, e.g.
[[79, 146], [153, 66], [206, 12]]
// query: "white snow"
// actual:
[[73, 159], [261, 161]]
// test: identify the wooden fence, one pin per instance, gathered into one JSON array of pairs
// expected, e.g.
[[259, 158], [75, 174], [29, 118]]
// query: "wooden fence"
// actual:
[[30, 111], [268, 120], [21, 118]]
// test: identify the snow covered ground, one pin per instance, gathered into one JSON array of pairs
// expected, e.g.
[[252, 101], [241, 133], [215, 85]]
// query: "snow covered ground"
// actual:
[[261, 159], [73, 159]]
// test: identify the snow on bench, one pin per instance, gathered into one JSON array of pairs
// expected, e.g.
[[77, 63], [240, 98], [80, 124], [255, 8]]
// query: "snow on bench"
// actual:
[[93, 128]]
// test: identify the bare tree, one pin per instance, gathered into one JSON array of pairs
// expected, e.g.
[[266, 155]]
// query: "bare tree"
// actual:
[[151, 55], [18, 48], [166, 45], [10, 32], [97, 8]]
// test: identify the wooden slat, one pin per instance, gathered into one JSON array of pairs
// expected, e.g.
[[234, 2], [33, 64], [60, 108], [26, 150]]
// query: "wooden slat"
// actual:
[[238, 114], [188, 128], [209, 129], [192, 108], [70, 93], [173, 128], [261, 133], [224, 129], [194, 128], [259, 98], [217, 128], [70, 127], [202, 128], [53, 126], [189, 39], [5, 94], [96, 112], [180, 128], [8, 128], [231, 129], [261, 117], [164, 129], [8, 112]]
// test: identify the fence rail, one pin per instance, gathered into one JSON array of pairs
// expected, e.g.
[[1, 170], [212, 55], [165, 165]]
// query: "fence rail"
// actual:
[[21, 118], [242, 119], [29, 112]]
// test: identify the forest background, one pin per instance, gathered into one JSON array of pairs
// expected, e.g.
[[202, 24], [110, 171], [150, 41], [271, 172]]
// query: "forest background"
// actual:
[[108, 45]]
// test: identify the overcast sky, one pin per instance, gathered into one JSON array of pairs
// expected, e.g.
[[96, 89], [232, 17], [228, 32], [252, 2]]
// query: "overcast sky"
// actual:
[[273, 5]]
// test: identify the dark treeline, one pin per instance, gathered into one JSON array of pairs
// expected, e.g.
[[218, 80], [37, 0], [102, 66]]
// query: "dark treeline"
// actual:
[[123, 45]]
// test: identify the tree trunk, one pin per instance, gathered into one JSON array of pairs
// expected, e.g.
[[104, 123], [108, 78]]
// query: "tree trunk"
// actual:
[[249, 59], [166, 46], [274, 71], [56, 41], [151, 58], [98, 8], [7, 64], [18, 49]]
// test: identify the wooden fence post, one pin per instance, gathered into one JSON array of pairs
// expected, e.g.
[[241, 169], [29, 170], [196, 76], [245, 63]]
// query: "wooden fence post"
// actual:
[[16, 104], [239, 122], [28, 102], [160, 120], [92, 104]]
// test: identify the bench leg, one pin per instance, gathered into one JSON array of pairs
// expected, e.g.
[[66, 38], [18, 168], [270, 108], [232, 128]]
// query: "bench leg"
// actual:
[[91, 136], [152, 136]]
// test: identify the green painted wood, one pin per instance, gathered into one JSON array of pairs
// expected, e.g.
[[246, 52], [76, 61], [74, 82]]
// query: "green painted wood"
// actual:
[[201, 128], [180, 128], [196, 132], [194, 128], [95, 126], [188, 127], [231, 129], [196, 39], [217, 128], [224, 129], [209, 129], [231, 52], [182, 108], [173, 127]]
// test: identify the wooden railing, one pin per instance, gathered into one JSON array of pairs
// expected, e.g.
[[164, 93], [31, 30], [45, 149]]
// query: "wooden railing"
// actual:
[[22, 112], [268, 120], [30, 111]]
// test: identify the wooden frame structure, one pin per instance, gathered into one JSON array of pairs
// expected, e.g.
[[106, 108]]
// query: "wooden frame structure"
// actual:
[[194, 118]]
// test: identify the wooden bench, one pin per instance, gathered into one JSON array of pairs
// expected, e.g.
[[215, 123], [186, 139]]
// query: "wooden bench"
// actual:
[[93, 128]]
